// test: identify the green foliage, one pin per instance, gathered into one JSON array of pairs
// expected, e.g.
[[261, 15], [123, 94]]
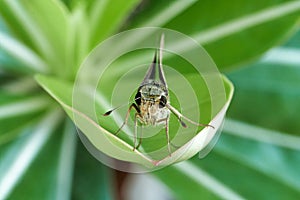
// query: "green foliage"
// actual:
[[106, 141], [257, 156]]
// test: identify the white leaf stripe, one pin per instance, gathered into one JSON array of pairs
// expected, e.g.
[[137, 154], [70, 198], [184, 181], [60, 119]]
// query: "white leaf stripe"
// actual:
[[29, 105], [240, 24], [13, 168], [242, 129], [220, 31], [22, 53], [66, 162], [31, 27], [170, 12], [283, 55], [97, 12], [248, 21], [160, 19], [256, 159], [204, 179]]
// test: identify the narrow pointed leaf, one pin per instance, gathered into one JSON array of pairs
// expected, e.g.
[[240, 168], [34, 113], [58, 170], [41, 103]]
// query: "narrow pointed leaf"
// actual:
[[244, 31], [116, 11], [19, 154], [42, 25], [115, 147], [234, 161], [271, 86]]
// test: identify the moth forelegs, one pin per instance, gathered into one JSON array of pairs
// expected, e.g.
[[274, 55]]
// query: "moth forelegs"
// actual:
[[133, 105]]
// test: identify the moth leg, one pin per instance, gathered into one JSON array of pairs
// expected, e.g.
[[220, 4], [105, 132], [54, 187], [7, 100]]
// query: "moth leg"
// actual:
[[135, 132], [167, 132], [127, 116], [168, 135], [140, 139]]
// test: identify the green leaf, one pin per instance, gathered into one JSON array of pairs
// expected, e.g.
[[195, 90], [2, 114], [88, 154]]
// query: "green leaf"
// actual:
[[20, 153], [293, 41], [19, 86], [187, 172], [250, 161], [113, 146], [55, 163], [18, 112], [232, 32], [114, 10], [11, 127], [154, 151], [49, 153], [282, 139], [15, 56], [42, 25], [271, 87], [264, 160], [262, 169], [87, 21], [62, 92], [12, 105], [90, 175]]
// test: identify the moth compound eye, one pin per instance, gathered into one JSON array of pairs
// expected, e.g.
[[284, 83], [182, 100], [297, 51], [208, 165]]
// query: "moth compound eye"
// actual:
[[163, 101], [138, 98]]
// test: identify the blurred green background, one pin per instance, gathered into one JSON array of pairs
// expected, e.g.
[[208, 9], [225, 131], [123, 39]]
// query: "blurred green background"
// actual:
[[255, 44]]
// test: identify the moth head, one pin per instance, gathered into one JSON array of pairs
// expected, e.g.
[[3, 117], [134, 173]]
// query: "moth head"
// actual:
[[153, 93]]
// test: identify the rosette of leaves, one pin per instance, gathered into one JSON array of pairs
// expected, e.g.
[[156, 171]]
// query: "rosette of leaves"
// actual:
[[51, 38]]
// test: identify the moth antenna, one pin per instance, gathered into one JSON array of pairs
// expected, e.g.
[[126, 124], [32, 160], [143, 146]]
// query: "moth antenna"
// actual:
[[180, 117], [108, 112], [162, 77], [125, 104]]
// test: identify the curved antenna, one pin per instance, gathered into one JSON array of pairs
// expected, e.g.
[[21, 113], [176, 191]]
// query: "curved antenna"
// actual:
[[157, 60], [161, 74], [120, 106], [150, 75]]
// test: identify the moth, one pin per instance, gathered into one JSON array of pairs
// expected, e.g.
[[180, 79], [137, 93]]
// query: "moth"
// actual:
[[152, 103]]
